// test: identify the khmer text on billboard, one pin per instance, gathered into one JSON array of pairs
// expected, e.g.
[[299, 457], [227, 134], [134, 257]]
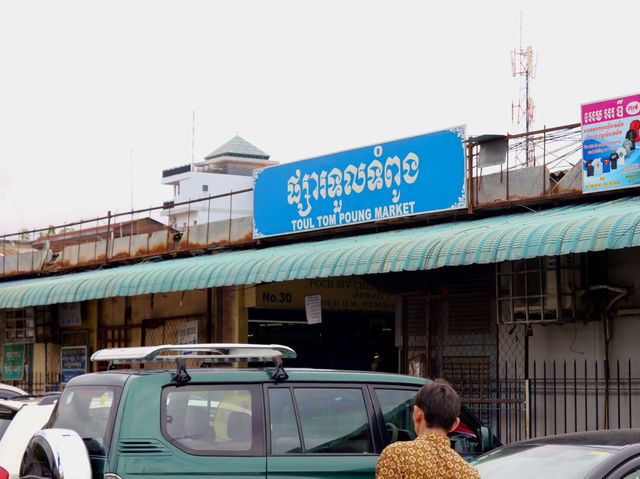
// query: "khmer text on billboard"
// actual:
[[610, 134], [404, 177]]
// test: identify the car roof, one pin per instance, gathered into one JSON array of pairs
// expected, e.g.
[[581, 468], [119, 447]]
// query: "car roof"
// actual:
[[18, 402], [611, 437], [118, 377], [11, 404], [13, 389]]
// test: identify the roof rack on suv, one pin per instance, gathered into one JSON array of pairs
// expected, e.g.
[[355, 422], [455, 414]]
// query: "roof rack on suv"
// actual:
[[218, 353]]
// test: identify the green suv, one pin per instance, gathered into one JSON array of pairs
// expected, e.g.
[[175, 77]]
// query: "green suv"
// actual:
[[214, 420]]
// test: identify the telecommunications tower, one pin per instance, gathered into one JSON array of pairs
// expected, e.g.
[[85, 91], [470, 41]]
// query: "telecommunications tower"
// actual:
[[523, 64]]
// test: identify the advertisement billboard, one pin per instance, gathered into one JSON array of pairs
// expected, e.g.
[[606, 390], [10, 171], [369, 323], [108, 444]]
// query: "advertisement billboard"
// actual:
[[404, 177], [610, 134]]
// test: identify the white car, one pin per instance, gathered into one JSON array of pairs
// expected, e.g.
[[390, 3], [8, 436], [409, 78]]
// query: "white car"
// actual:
[[9, 391], [20, 418]]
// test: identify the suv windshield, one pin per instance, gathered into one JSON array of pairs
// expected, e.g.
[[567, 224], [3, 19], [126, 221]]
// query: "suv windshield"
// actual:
[[88, 410]]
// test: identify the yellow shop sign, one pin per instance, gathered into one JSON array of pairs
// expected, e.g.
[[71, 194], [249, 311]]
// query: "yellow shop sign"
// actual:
[[350, 294]]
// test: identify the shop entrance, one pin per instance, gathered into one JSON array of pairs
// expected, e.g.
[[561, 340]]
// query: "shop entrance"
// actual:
[[351, 340]]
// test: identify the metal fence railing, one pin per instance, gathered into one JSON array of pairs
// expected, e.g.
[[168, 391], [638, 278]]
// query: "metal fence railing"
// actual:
[[38, 383], [146, 233], [525, 167], [558, 397]]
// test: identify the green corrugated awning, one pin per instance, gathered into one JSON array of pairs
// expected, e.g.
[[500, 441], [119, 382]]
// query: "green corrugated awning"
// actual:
[[568, 229]]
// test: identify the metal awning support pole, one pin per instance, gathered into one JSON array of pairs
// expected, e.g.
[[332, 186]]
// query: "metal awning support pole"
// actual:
[[527, 409]]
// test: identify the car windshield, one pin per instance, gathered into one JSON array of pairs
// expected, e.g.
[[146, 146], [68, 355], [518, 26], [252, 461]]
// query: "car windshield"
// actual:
[[534, 461], [89, 411]]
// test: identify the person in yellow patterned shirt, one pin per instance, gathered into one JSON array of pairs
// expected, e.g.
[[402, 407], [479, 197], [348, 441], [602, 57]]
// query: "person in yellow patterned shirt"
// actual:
[[428, 456]]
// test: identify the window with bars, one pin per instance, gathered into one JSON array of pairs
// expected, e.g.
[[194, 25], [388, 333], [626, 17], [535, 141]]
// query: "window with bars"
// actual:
[[20, 325], [538, 289]]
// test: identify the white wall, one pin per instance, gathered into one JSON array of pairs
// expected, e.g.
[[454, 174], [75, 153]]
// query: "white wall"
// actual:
[[567, 341], [585, 340], [190, 188], [580, 348]]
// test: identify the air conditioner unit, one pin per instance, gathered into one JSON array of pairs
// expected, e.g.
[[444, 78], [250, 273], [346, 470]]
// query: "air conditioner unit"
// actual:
[[563, 269]]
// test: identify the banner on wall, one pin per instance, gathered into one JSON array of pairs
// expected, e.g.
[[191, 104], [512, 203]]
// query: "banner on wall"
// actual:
[[73, 362], [610, 135], [13, 361], [313, 308], [404, 177], [336, 294], [188, 332], [70, 314]]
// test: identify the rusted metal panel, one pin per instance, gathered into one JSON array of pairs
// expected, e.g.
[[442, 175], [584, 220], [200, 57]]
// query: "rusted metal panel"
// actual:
[[69, 256], [160, 242], [525, 183], [196, 236], [139, 245], [92, 252], [10, 264], [571, 182], [27, 262], [101, 250], [97, 233], [86, 253], [119, 248], [129, 246], [217, 233], [241, 229], [45, 260]]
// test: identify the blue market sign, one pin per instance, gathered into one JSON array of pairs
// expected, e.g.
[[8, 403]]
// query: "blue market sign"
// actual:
[[421, 174]]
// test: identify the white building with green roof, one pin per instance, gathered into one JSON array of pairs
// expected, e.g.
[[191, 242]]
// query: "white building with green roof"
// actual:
[[227, 169]]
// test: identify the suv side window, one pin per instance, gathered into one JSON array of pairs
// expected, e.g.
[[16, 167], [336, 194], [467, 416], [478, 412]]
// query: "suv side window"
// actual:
[[333, 420], [397, 410], [214, 419], [284, 427]]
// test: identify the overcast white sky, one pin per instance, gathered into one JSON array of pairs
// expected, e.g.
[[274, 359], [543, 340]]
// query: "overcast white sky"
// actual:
[[84, 83]]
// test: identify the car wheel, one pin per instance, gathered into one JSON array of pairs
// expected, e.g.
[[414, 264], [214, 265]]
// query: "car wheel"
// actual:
[[57, 454]]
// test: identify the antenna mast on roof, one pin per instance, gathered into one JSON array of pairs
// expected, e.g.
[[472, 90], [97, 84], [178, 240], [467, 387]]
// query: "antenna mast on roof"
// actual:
[[131, 176], [524, 65], [193, 138]]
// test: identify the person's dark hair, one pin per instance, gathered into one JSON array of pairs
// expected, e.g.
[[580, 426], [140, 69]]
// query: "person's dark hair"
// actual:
[[440, 403]]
